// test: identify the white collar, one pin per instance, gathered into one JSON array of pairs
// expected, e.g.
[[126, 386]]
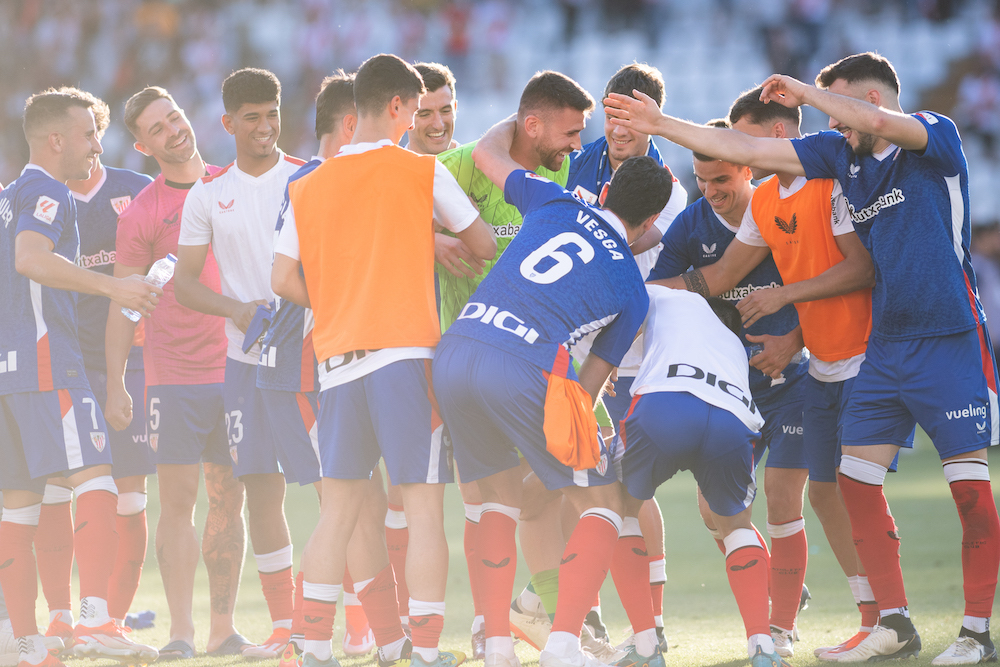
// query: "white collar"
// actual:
[[93, 191], [364, 147]]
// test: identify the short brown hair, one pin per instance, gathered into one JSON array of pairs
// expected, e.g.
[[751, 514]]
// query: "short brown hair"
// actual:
[[637, 76], [749, 106], [51, 105], [250, 85], [383, 77], [138, 103], [334, 101], [435, 75], [868, 66], [715, 122], [553, 91], [102, 112]]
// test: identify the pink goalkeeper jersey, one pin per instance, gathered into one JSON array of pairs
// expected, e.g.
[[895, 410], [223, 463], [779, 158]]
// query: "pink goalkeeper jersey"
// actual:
[[182, 346]]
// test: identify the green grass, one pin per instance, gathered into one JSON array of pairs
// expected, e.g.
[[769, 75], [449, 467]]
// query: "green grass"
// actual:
[[700, 614]]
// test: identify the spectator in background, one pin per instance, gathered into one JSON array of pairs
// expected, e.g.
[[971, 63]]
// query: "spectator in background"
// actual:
[[986, 262]]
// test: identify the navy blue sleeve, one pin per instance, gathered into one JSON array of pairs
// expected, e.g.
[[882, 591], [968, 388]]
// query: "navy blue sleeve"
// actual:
[[526, 190], [818, 153], [614, 340], [46, 209], [673, 259], [944, 146]]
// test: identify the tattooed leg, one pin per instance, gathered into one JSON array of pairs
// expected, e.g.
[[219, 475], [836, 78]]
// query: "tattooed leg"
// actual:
[[177, 544], [223, 547]]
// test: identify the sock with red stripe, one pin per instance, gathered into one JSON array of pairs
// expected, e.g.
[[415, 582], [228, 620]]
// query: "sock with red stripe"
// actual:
[[873, 529], [378, 598], [397, 540], [969, 480], [585, 563], [746, 567], [865, 600], [54, 547], [657, 579], [275, 571], [319, 608], [298, 624], [497, 554], [18, 574], [630, 569], [426, 623], [95, 536], [473, 515], [133, 535], [789, 555]]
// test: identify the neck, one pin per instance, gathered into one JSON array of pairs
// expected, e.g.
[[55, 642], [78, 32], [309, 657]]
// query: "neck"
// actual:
[[371, 130], [522, 151], [785, 180], [330, 145], [185, 172], [85, 186], [255, 166], [49, 164]]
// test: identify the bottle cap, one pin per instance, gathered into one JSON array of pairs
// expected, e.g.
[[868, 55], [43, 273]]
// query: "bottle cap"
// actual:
[[171, 257]]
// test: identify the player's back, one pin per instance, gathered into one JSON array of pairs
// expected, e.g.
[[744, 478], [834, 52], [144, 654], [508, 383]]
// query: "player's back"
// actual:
[[568, 272], [39, 349]]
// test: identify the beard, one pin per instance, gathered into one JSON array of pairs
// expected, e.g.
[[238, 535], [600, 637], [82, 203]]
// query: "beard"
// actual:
[[551, 158], [866, 144]]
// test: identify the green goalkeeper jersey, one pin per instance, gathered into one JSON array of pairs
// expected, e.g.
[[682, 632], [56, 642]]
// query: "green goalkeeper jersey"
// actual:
[[505, 219]]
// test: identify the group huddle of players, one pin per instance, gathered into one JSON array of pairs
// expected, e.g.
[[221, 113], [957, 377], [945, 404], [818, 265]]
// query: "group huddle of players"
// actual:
[[599, 335]]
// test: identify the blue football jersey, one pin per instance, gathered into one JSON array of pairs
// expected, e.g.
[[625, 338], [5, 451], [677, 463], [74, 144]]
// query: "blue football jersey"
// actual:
[[97, 219], [911, 211], [39, 348], [568, 272], [590, 167], [287, 360], [698, 238]]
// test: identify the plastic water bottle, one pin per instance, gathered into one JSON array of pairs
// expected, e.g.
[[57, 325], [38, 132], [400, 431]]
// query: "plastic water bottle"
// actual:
[[161, 271]]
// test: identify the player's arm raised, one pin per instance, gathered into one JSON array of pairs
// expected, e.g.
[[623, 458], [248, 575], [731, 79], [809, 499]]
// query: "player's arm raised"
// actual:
[[642, 114], [492, 152], [34, 259], [118, 338], [191, 292], [722, 276], [866, 116]]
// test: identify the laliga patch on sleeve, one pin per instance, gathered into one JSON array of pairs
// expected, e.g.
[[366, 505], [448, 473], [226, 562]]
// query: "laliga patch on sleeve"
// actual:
[[931, 120], [585, 195], [533, 175], [45, 209]]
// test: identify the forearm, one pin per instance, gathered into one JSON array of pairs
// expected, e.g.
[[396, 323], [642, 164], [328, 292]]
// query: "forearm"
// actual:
[[841, 278], [594, 374], [708, 281], [293, 289], [867, 118], [57, 272], [731, 145], [118, 338], [193, 294]]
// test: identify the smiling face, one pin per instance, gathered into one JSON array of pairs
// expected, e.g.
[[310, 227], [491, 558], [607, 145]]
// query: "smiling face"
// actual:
[[434, 123], [164, 132], [725, 186], [256, 128], [558, 135], [623, 142], [80, 144], [862, 144]]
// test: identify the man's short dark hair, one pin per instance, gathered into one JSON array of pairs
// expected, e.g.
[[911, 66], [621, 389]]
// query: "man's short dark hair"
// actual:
[[250, 85], [383, 77], [749, 106], [868, 66], [640, 189], [138, 103], [435, 76], [334, 101], [553, 91], [715, 122], [102, 112], [49, 106], [727, 313], [637, 76]]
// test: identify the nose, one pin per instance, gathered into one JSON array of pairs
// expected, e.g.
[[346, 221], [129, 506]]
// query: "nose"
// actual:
[[833, 124], [96, 145], [437, 121], [619, 131]]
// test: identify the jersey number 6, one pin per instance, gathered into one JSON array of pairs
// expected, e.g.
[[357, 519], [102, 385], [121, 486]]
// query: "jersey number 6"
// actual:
[[563, 262]]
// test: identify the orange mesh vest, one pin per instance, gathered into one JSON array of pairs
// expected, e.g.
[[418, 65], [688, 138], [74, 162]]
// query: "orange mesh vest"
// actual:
[[366, 241], [797, 230]]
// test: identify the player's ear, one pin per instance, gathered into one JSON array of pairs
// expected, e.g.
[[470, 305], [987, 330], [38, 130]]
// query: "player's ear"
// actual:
[[778, 131], [532, 125], [55, 141], [141, 147], [395, 105], [227, 123], [350, 123], [874, 96]]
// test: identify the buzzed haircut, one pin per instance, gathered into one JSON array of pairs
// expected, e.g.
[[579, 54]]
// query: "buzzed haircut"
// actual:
[[639, 189], [868, 66], [553, 91], [49, 106], [637, 76], [727, 312], [749, 106], [102, 112], [435, 75], [138, 103], [380, 79], [334, 101], [715, 122], [250, 85]]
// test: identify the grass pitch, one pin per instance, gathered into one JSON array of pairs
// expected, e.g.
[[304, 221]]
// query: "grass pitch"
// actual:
[[701, 618]]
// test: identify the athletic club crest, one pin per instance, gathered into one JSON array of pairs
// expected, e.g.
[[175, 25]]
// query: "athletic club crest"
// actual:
[[98, 439], [154, 441], [233, 456], [602, 465], [120, 203]]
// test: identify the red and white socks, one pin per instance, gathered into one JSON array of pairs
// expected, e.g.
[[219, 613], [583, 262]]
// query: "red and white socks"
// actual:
[[789, 555], [275, 571], [747, 569], [96, 540], [657, 580], [133, 536], [397, 540], [473, 514], [54, 550], [319, 608], [629, 568], [496, 551], [865, 599], [426, 623]]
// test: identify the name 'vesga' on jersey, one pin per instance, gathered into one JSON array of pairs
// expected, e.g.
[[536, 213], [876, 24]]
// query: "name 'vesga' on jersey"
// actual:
[[690, 371], [501, 319], [592, 226]]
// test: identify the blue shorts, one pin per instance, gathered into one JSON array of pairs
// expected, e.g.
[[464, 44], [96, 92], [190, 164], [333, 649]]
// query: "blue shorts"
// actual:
[[947, 384], [292, 417], [251, 442], [493, 404], [782, 434], [187, 424], [823, 421], [45, 433], [667, 431], [618, 404], [130, 453], [389, 413]]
